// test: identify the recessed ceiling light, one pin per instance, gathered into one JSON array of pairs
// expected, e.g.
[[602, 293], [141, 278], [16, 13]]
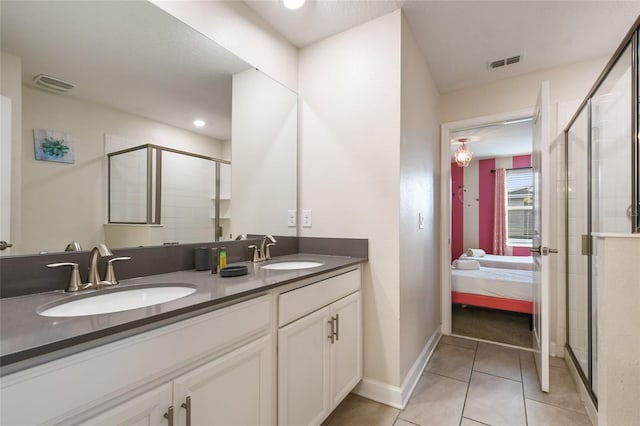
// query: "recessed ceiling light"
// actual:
[[293, 4], [199, 123]]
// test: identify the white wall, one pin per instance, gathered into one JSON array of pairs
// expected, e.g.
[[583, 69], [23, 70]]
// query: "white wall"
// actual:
[[237, 28], [566, 83], [618, 340], [11, 82], [264, 152], [65, 202], [349, 169], [419, 192]]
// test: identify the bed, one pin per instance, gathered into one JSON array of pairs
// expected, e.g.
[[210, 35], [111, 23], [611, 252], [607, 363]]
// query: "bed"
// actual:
[[505, 262], [496, 288]]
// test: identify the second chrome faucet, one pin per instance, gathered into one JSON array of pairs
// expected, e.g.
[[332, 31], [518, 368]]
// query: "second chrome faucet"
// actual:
[[262, 253]]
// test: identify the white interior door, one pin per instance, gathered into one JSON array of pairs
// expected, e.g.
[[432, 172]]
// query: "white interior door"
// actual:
[[541, 211], [5, 175]]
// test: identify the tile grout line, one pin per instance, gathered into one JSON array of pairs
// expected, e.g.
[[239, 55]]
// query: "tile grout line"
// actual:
[[447, 377], [475, 353], [524, 398]]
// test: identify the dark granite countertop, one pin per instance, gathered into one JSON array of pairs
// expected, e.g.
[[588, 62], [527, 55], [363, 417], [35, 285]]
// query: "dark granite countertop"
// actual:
[[28, 339]]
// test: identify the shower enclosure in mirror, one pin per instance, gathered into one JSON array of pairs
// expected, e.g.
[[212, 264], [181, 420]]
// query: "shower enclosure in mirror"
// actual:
[[162, 196], [602, 181], [141, 77]]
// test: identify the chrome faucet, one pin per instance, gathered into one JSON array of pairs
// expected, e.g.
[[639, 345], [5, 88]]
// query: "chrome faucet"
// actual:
[[94, 278], [262, 253], [75, 283]]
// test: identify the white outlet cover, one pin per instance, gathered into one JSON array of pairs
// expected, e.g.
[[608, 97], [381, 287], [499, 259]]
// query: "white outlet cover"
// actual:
[[420, 220], [306, 218], [291, 218]]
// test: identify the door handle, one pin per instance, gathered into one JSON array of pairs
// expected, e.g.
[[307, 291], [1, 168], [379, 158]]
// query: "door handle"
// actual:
[[5, 245], [544, 251]]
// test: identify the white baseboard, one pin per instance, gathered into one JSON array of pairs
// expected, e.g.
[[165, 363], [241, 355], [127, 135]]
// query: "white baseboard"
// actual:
[[395, 396], [592, 412]]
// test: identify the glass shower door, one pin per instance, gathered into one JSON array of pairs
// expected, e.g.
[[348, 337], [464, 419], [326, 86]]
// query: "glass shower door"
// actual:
[[578, 241]]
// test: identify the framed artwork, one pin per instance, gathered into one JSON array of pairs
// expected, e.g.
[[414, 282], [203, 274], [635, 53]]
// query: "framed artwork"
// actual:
[[50, 145]]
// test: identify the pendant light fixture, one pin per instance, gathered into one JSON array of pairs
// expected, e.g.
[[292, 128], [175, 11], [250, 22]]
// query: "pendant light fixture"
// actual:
[[463, 156]]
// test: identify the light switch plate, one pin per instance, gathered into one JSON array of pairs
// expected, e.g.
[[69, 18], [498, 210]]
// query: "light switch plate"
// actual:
[[291, 218], [306, 218], [420, 220]]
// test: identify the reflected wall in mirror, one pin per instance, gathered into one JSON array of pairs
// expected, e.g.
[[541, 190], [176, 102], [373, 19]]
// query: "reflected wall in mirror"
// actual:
[[141, 77]]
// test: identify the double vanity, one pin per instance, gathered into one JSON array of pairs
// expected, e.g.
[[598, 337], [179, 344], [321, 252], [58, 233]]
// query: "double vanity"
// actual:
[[280, 345]]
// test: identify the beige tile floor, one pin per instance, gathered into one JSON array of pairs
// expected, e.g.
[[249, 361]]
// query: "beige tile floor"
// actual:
[[468, 383]]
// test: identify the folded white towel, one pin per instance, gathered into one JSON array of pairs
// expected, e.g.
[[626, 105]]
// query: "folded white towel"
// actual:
[[468, 264], [472, 252]]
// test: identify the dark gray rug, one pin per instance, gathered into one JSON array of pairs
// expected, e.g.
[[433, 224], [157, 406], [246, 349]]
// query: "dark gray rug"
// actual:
[[491, 324]]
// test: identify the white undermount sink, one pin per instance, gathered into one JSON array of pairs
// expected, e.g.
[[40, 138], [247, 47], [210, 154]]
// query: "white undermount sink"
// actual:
[[286, 266], [117, 301]]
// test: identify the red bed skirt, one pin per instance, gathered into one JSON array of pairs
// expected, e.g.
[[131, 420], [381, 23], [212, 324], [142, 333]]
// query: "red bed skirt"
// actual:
[[512, 305]]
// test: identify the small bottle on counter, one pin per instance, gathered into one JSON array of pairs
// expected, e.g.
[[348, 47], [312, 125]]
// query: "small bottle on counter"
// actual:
[[214, 260], [222, 256]]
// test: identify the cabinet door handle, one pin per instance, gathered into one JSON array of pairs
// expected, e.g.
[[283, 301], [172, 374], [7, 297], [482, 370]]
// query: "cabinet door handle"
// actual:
[[187, 405], [169, 415], [332, 333], [337, 333]]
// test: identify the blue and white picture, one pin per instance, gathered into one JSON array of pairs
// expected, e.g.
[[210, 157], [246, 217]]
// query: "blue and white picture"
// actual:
[[55, 146]]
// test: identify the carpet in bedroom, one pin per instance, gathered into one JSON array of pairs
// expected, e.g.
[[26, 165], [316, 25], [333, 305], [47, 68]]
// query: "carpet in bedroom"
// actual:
[[491, 324]]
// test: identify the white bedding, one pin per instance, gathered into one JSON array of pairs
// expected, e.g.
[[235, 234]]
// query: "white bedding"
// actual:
[[507, 262], [496, 282]]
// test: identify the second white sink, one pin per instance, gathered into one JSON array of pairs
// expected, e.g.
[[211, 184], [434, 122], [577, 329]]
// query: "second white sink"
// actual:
[[282, 266], [117, 301]]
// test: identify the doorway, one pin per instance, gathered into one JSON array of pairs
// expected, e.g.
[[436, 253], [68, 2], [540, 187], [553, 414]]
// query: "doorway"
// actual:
[[489, 212]]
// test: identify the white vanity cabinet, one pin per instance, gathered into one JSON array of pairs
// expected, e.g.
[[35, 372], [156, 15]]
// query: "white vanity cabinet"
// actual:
[[319, 348], [223, 361], [147, 409], [232, 390]]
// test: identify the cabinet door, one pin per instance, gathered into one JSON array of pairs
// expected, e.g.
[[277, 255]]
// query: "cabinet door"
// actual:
[[233, 390], [303, 365], [346, 351], [147, 409]]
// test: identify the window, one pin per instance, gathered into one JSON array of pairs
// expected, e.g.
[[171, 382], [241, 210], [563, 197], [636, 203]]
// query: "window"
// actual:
[[519, 193]]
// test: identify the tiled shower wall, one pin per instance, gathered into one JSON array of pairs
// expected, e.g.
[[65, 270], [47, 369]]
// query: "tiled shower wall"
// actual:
[[128, 181], [188, 198]]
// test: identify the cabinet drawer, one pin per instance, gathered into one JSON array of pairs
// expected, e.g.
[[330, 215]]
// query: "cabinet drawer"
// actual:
[[297, 303]]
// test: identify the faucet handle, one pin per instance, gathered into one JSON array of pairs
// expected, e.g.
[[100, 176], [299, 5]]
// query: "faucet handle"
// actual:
[[75, 283], [256, 253], [110, 276], [267, 252]]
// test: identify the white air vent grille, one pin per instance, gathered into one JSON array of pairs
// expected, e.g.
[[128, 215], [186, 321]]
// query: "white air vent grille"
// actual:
[[504, 62], [53, 83]]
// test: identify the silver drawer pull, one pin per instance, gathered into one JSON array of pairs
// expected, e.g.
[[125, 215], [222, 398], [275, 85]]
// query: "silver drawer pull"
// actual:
[[332, 333], [169, 415], [187, 406]]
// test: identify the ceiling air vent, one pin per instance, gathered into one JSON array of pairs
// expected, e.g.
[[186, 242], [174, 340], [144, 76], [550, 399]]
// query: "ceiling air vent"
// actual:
[[513, 60], [496, 64], [53, 83], [504, 62]]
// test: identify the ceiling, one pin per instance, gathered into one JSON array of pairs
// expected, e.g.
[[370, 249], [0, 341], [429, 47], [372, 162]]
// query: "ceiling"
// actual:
[[458, 38], [127, 55], [497, 140]]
